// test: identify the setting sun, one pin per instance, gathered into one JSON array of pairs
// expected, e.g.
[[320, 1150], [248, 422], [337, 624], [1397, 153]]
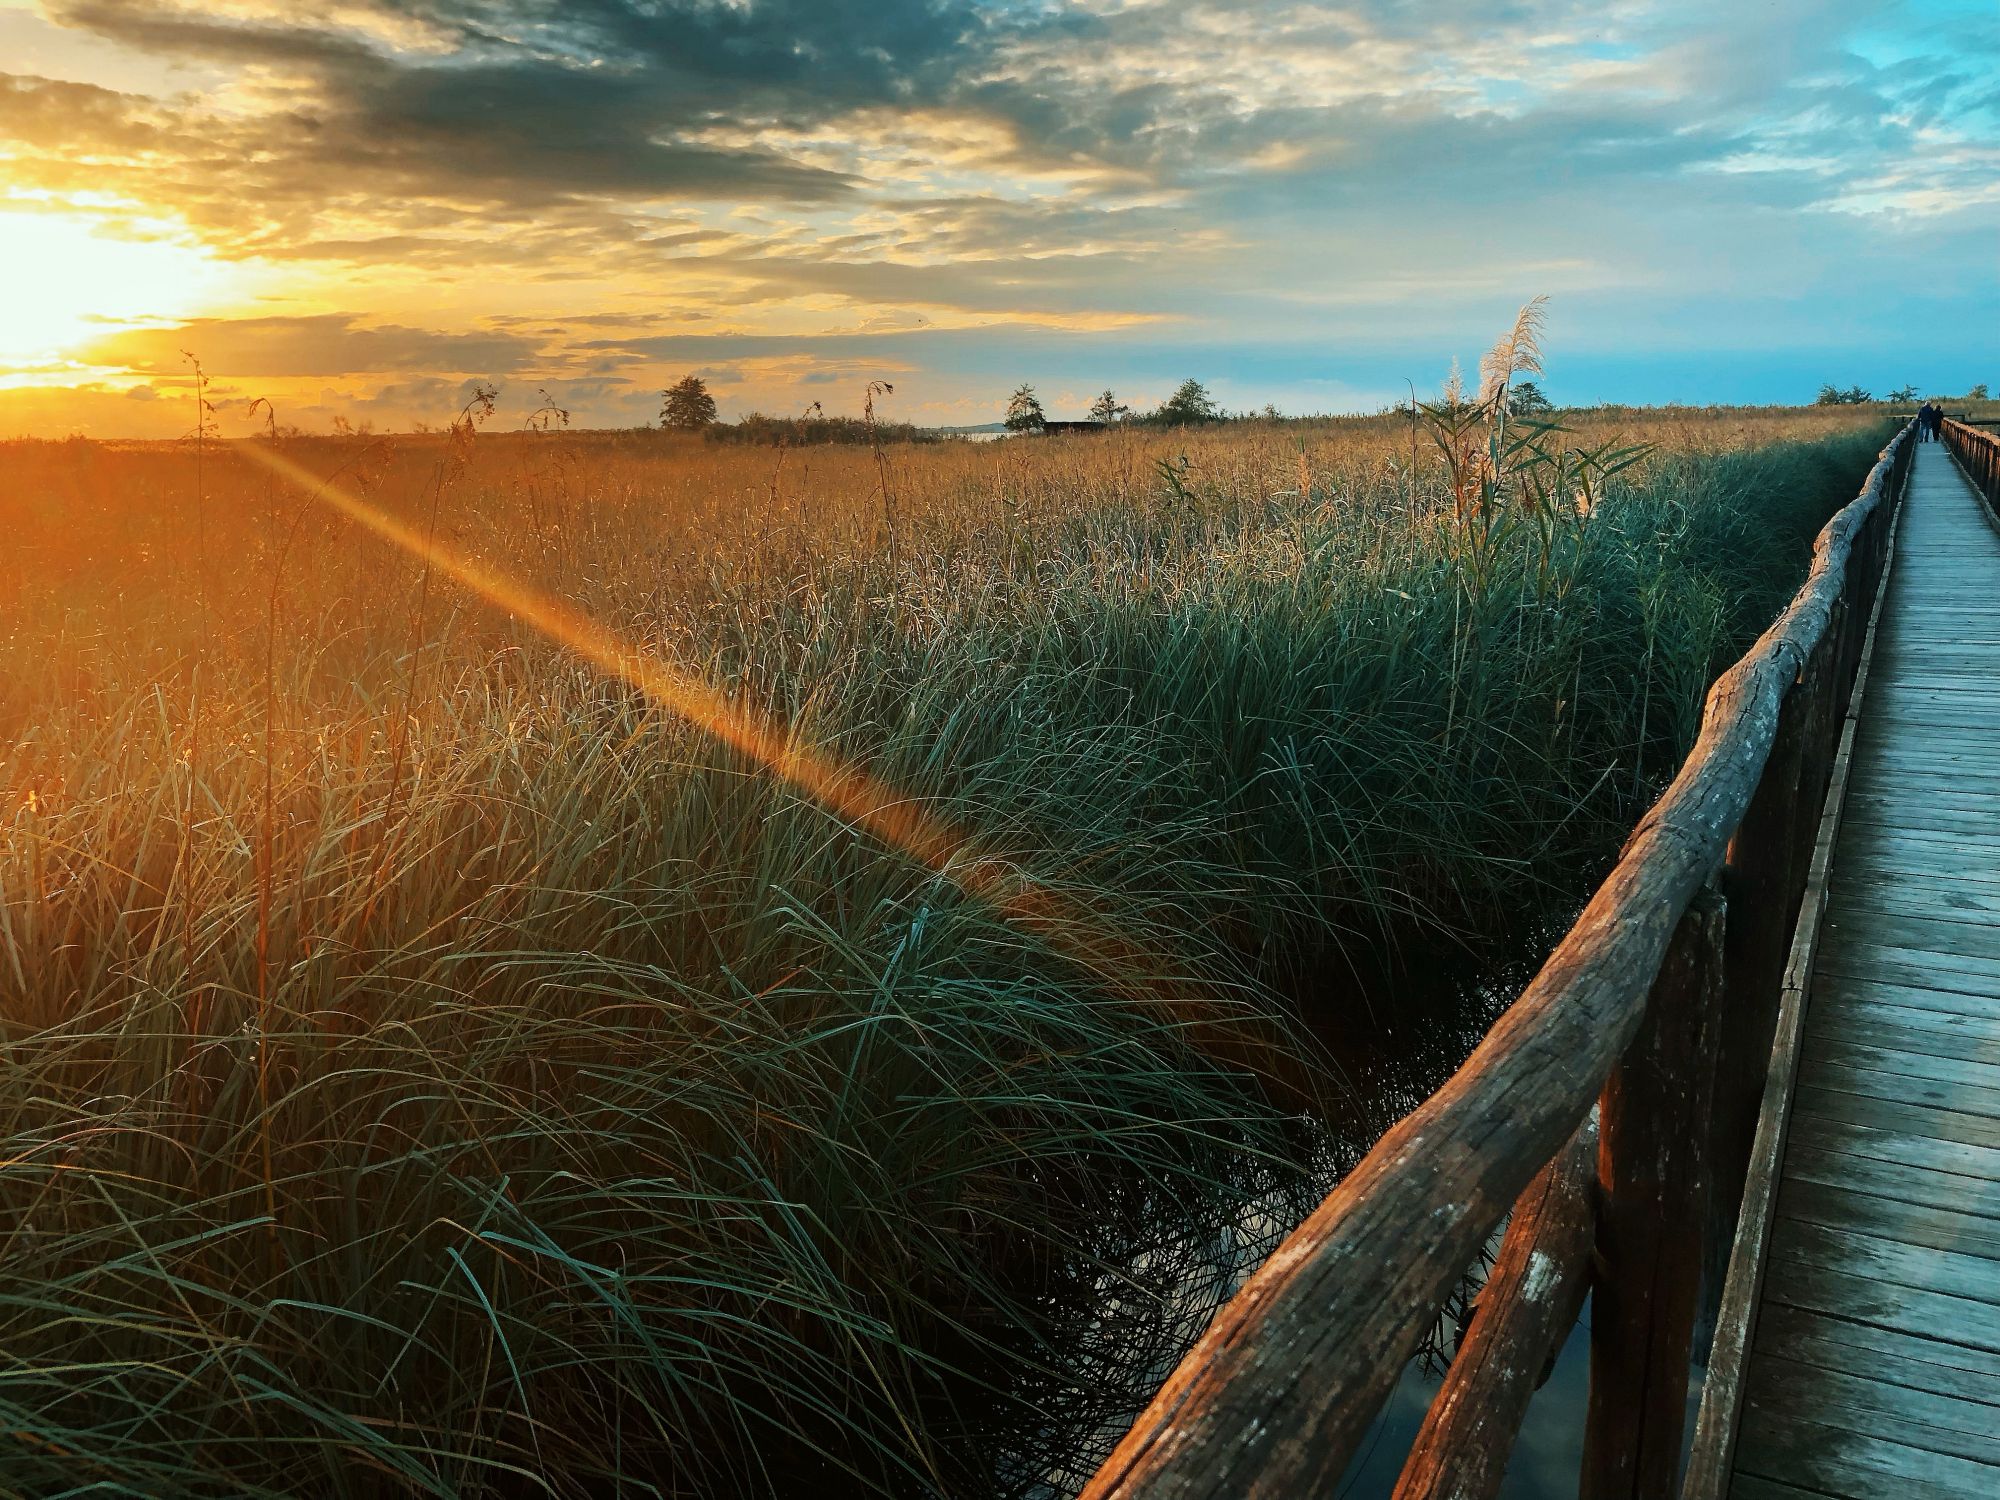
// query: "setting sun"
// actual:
[[76, 280]]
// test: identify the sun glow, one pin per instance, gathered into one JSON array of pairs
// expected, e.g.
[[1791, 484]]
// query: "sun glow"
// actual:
[[71, 279]]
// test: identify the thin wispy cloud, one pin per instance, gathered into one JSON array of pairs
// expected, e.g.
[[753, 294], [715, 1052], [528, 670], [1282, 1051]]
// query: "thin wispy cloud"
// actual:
[[1286, 199]]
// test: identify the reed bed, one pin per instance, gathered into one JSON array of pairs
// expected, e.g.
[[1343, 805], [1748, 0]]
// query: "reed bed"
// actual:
[[431, 1069]]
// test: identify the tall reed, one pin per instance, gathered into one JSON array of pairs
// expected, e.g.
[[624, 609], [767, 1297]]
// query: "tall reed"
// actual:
[[633, 1123]]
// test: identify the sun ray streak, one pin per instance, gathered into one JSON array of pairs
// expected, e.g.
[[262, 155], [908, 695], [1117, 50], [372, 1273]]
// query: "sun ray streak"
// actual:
[[894, 818], [1062, 919]]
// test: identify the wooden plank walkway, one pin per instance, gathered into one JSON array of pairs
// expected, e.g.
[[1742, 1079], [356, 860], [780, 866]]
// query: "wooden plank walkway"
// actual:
[[1876, 1364]]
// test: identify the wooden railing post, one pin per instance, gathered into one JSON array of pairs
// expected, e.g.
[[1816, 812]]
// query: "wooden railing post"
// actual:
[[1978, 454], [1651, 1145], [1757, 880], [1823, 687]]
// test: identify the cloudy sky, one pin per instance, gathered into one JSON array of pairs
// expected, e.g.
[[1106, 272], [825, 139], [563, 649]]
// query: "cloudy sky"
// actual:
[[356, 207]]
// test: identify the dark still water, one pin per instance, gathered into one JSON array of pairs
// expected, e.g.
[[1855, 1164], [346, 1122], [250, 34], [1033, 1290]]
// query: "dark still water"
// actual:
[[1387, 1066], [1548, 1457]]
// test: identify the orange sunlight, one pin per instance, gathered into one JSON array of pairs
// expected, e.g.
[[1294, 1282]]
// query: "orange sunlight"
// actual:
[[75, 281], [1063, 919]]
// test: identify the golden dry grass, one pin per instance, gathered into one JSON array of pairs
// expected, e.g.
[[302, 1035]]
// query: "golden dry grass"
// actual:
[[431, 1067]]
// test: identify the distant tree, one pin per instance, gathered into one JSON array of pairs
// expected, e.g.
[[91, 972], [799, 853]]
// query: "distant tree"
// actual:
[[1024, 411], [1903, 393], [687, 405], [1525, 399], [1832, 395], [1270, 413], [1977, 393], [1189, 404], [1107, 409]]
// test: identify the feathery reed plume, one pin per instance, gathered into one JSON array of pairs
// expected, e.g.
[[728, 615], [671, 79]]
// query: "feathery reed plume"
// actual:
[[1519, 352], [883, 388], [204, 430]]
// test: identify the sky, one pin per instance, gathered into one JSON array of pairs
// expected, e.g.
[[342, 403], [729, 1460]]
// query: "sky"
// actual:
[[358, 209]]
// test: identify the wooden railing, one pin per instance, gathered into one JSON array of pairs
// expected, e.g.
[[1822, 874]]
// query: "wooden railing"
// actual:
[[1658, 1006], [1978, 454]]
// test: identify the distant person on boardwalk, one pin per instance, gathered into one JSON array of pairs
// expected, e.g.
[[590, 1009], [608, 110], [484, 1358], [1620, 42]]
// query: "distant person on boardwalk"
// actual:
[[1927, 416], [1935, 419]]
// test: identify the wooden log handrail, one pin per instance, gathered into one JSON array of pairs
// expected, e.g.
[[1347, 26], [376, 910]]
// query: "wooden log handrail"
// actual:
[[1978, 454], [1278, 1393]]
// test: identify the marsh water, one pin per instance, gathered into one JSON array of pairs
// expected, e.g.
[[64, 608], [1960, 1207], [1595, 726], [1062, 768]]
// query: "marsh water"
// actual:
[[1392, 1068], [1387, 1064]]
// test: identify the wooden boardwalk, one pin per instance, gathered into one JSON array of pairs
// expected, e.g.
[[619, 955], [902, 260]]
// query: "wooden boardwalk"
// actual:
[[1875, 1369]]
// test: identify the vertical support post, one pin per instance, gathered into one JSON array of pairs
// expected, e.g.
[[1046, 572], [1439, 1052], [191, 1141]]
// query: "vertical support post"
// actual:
[[1651, 1146], [1824, 686], [1758, 882]]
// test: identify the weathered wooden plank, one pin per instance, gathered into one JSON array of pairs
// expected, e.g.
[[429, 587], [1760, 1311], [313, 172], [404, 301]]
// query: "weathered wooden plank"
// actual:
[[1912, 794], [1957, 937], [1974, 1278], [1882, 744], [1890, 1180], [1844, 1205], [1924, 682], [1921, 1089], [1940, 665], [1900, 1115], [1835, 1459], [1964, 797], [1529, 1302], [1947, 718], [1935, 855], [1958, 761], [1976, 649], [1877, 1030], [1923, 677], [1889, 868], [1949, 755], [1937, 1424], [1879, 1056], [1863, 1349], [1923, 646], [1961, 794], [1972, 1032], [1951, 691], [1910, 1150], [1919, 1312], [1949, 844], [1937, 813], [1919, 968], [1953, 900], [1932, 1420], [1842, 995], [1942, 854]]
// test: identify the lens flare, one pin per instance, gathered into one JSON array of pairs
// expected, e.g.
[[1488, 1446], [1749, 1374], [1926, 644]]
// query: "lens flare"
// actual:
[[1061, 918]]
